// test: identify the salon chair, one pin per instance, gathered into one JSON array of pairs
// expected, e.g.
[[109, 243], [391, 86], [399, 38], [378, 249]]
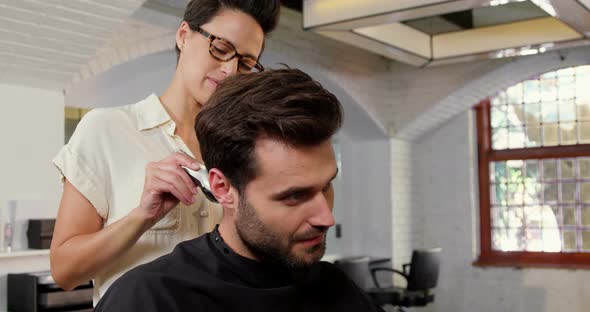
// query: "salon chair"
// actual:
[[421, 276]]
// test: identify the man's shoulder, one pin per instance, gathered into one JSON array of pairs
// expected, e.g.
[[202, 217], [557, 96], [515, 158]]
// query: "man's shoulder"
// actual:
[[336, 284], [166, 266], [187, 255], [331, 269], [325, 275], [152, 281]]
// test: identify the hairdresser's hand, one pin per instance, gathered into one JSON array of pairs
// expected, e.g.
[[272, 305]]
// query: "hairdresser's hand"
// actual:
[[166, 183]]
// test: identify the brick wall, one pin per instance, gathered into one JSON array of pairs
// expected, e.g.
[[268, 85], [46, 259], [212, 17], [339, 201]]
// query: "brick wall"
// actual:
[[405, 234], [466, 84]]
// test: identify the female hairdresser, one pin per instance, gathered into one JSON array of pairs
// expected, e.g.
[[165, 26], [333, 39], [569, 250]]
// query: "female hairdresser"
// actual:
[[126, 200]]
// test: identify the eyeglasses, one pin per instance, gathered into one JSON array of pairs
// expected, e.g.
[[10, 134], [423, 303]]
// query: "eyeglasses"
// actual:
[[225, 52]]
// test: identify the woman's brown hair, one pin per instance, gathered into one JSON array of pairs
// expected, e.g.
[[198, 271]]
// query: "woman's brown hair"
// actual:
[[265, 12]]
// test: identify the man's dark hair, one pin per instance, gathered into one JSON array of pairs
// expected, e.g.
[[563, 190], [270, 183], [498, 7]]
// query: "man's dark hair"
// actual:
[[265, 12], [282, 104]]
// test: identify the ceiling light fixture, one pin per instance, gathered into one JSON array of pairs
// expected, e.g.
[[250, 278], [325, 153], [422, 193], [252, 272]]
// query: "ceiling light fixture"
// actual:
[[433, 32]]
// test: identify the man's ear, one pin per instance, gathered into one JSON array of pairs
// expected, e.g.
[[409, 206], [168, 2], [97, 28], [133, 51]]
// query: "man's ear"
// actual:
[[181, 35], [222, 189]]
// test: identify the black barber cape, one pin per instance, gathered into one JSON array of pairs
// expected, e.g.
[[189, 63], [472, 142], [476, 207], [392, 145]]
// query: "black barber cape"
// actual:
[[204, 274]]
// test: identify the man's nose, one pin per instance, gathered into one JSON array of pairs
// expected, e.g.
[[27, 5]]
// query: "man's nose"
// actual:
[[322, 212]]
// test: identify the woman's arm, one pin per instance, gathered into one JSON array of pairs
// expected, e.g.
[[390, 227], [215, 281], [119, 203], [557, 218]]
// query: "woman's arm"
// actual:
[[82, 248]]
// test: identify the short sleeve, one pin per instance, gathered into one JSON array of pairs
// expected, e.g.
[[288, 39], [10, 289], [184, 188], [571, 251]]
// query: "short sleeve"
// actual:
[[83, 160]]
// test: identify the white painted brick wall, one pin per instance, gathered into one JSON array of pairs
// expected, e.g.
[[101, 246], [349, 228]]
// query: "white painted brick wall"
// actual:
[[404, 231], [416, 90], [470, 83]]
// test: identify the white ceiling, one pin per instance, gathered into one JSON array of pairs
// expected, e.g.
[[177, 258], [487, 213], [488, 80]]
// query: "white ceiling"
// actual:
[[179, 4], [48, 43], [43, 43]]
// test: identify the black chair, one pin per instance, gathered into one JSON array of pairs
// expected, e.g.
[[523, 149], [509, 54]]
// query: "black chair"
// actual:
[[357, 269], [421, 276]]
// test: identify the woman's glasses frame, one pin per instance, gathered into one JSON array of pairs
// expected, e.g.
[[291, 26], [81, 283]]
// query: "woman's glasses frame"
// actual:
[[257, 67]]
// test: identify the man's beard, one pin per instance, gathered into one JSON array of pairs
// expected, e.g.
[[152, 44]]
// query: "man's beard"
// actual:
[[267, 245]]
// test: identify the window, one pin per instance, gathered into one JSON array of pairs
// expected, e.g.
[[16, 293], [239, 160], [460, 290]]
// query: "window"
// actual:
[[72, 116], [534, 172]]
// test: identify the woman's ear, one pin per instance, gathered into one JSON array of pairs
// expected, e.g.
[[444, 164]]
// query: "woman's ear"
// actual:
[[181, 35], [222, 189]]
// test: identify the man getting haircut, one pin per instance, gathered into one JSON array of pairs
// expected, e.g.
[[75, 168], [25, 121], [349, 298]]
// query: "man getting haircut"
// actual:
[[266, 140]]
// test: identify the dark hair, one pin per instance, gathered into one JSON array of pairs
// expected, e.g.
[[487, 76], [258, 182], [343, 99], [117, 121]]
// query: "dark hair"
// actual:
[[282, 104], [199, 12]]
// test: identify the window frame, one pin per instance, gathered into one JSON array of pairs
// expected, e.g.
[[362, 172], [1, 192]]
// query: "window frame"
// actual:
[[488, 256]]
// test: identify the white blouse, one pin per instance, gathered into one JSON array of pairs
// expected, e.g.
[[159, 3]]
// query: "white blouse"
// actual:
[[105, 160]]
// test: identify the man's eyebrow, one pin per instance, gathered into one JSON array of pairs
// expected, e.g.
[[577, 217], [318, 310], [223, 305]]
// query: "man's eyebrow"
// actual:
[[296, 189], [290, 191]]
